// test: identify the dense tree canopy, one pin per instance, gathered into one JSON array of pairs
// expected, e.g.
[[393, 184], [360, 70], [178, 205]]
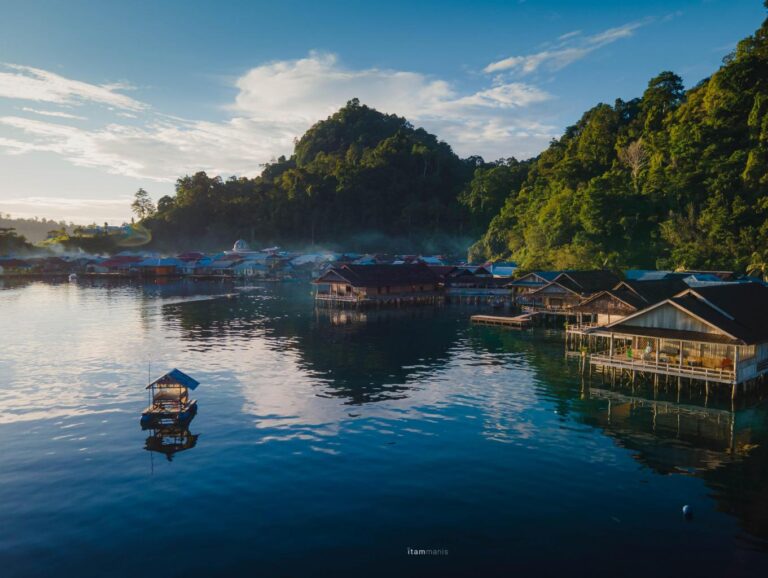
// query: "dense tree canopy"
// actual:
[[359, 174], [671, 179]]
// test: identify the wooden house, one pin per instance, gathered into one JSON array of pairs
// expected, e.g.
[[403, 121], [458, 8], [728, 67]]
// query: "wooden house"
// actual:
[[532, 281], [476, 285], [716, 334], [628, 297], [569, 288], [377, 284]]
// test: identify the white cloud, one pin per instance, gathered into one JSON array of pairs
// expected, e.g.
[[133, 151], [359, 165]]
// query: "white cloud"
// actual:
[[28, 83], [53, 113], [276, 102], [572, 47]]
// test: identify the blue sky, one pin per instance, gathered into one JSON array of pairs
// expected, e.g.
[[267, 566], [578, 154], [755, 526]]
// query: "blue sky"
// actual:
[[100, 98]]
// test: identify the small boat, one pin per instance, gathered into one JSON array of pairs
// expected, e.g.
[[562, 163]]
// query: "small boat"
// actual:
[[169, 403]]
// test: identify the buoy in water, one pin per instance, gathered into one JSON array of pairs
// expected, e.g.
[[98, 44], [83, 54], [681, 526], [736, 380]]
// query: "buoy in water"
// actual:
[[687, 512]]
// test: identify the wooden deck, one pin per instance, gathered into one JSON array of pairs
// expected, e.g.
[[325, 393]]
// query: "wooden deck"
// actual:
[[519, 321], [673, 369]]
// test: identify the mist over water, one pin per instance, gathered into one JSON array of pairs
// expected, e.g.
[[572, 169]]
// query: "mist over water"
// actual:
[[330, 442]]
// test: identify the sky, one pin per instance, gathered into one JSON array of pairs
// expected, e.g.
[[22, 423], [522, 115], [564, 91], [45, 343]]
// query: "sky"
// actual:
[[99, 98]]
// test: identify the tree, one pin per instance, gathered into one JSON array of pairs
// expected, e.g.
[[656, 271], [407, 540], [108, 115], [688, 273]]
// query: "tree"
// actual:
[[11, 241], [635, 156], [758, 265], [142, 205]]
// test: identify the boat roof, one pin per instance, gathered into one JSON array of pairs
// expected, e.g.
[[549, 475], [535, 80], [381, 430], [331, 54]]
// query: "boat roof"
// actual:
[[176, 376]]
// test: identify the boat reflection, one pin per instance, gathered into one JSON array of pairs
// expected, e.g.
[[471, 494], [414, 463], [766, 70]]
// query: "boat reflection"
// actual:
[[170, 440]]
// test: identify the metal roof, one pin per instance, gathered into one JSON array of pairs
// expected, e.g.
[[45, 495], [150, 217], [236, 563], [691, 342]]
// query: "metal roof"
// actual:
[[176, 376]]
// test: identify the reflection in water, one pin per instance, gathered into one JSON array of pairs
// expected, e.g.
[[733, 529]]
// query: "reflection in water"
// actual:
[[670, 437], [394, 359], [170, 440], [385, 429]]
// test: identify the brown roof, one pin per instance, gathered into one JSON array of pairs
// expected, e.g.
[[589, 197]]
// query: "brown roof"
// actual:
[[380, 275], [587, 282], [738, 310], [655, 290], [442, 271]]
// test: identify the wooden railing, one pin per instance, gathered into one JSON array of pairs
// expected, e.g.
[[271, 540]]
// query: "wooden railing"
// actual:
[[663, 367]]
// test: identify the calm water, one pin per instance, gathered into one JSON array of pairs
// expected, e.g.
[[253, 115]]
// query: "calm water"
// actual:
[[328, 445]]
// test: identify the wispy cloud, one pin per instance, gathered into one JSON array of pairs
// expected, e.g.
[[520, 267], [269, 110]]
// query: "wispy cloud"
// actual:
[[571, 47], [276, 102], [28, 83], [53, 113]]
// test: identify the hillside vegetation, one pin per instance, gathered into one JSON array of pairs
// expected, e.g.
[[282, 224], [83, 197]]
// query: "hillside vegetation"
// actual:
[[675, 178], [359, 177]]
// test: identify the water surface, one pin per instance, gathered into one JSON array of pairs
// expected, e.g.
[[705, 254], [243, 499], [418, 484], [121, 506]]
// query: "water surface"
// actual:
[[327, 444]]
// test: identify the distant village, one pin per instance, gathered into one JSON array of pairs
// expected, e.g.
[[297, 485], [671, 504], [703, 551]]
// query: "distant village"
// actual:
[[710, 327]]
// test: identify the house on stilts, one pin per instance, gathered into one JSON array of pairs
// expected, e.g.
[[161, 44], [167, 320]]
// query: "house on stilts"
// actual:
[[717, 334], [377, 285]]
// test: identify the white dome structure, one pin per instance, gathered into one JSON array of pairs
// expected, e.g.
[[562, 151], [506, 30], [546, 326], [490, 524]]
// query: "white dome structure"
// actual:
[[241, 246]]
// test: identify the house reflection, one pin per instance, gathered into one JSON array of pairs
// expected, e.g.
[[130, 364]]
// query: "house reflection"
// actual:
[[670, 437], [170, 440], [359, 356]]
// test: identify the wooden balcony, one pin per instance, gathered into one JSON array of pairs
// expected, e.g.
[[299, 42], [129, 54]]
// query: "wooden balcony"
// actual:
[[689, 368]]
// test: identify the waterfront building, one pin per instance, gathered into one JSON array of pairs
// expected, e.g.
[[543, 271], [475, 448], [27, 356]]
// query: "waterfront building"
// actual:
[[567, 289], [532, 281], [377, 285], [12, 266], [476, 285], [160, 266], [716, 334], [627, 297]]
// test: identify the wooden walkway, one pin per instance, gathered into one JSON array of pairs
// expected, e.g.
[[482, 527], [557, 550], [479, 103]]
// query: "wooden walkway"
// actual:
[[520, 321]]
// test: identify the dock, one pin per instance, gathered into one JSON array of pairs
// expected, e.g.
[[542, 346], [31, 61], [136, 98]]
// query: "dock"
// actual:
[[518, 321]]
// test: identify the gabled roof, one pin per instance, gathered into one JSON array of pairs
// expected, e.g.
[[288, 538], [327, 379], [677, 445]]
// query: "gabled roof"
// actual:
[[652, 291], [588, 282], [177, 377], [625, 296], [564, 283], [534, 279], [638, 294], [379, 275], [738, 310], [442, 271]]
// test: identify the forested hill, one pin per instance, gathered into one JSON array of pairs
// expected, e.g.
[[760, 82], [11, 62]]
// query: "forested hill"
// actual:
[[673, 179], [359, 179]]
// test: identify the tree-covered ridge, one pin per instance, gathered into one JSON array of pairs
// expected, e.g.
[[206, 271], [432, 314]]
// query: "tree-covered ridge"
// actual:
[[356, 173], [672, 179]]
